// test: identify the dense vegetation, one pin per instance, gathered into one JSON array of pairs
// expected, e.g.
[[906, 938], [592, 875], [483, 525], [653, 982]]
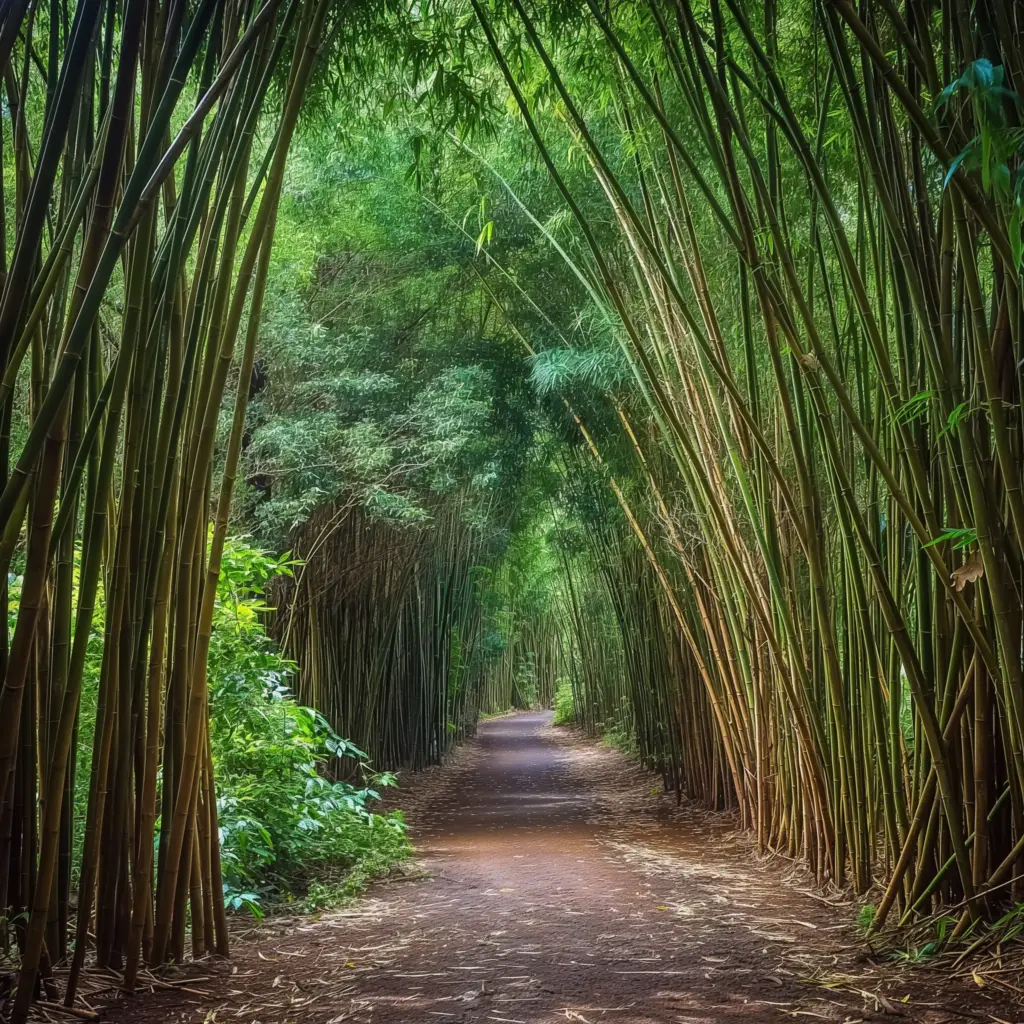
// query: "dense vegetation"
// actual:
[[660, 359]]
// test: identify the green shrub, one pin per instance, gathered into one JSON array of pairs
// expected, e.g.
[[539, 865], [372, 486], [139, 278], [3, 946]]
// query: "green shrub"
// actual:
[[285, 825], [565, 708]]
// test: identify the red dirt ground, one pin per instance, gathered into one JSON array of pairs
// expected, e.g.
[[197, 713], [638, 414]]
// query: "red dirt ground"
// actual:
[[552, 886]]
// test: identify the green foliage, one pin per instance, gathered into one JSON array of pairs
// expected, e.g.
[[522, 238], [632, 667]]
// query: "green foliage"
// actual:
[[619, 736], [866, 916], [525, 675], [1009, 927], [282, 817], [961, 537], [995, 151], [565, 708], [913, 955], [560, 370], [386, 383], [915, 407]]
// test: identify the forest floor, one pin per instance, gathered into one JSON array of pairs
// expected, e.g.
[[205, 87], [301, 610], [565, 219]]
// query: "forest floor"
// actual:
[[552, 884]]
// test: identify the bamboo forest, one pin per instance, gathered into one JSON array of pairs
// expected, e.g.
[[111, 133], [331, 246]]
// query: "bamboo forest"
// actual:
[[566, 453]]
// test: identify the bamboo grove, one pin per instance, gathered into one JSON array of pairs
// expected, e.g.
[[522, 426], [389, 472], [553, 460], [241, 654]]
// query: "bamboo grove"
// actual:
[[386, 626], [404, 638], [631, 673], [774, 541], [142, 179], [814, 277]]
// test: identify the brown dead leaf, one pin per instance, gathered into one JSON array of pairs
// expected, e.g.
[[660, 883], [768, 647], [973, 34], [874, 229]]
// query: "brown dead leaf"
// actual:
[[887, 1005], [970, 572]]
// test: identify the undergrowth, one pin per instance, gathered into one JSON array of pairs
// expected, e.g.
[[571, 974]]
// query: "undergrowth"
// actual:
[[935, 937], [565, 708], [618, 730], [290, 834]]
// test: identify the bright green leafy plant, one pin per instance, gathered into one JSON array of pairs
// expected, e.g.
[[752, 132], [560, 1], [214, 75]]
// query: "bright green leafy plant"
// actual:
[[295, 799]]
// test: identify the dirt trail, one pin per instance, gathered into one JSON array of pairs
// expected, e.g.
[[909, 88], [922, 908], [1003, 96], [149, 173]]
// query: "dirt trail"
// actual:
[[557, 887]]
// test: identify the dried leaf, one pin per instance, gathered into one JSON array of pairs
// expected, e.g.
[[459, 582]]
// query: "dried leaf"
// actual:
[[970, 572], [886, 1005]]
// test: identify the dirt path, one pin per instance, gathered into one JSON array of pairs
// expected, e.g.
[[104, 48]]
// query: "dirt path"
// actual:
[[559, 888]]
